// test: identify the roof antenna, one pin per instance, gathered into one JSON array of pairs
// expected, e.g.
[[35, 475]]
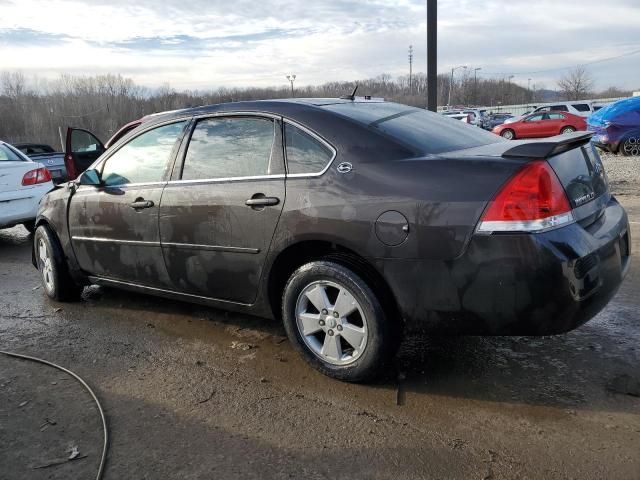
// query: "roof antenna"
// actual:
[[351, 97]]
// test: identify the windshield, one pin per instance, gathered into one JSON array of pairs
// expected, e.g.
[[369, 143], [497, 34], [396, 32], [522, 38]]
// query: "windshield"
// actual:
[[422, 130]]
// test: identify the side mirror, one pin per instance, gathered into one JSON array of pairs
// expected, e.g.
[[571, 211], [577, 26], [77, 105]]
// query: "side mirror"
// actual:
[[90, 177]]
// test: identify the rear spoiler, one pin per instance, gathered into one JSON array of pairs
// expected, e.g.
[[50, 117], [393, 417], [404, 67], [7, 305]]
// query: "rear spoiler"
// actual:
[[548, 147]]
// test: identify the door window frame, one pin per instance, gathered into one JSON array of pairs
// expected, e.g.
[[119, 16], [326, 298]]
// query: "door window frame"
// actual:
[[276, 163], [314, 135], [104, 158]]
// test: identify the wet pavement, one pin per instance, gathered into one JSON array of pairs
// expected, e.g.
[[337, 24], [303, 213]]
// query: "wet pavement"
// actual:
[[194, 392]]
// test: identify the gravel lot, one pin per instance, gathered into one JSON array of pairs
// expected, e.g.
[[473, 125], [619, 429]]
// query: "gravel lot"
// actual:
[[197, 393]]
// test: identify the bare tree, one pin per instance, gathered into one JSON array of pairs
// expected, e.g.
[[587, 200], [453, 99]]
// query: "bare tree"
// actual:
[[576, 84]]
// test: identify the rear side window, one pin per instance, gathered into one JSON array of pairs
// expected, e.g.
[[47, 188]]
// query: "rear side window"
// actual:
[[581, 107], [556, 116], [422, 130], [8, 155], [559, 108], [305, 153], [229, 147], [144, 158]]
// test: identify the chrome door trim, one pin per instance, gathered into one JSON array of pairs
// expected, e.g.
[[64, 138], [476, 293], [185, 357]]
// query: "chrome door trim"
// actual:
[[227, 179], [216, 248], [115, 240]]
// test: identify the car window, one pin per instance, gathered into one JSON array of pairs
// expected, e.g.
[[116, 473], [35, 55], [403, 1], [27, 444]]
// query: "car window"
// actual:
[[305, 154], [559, 108], [556, 116], [229, 147], [144, 158], [8, 155], [536, 118], [581, 107], [418, 128]]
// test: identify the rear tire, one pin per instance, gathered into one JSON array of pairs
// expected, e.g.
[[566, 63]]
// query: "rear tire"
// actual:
[[508, 134], [56, 280], [566, 130], [353, 345]]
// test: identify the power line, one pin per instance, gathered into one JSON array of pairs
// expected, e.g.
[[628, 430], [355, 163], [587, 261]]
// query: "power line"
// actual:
[[628, 54]]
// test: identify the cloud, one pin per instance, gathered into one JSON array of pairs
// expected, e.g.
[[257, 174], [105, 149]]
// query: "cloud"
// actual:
[[210, 43]]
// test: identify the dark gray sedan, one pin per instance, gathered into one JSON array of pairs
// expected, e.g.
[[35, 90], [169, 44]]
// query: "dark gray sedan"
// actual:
[[348, 218]]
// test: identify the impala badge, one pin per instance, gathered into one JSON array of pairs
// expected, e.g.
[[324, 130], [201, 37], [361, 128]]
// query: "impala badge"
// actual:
[[345, 167]]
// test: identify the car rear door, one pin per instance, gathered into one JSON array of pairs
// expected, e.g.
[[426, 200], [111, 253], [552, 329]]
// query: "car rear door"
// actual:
[[114, 226], [82, 148], [221, 208]]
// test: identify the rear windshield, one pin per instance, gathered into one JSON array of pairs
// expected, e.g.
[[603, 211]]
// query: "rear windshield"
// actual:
[[9, 155], [422, 130]]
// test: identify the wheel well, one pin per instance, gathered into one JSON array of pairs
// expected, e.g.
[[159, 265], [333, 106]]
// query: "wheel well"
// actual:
[[301, 253], [508, 130]]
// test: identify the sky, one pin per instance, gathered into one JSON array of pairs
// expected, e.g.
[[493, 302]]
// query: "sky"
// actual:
[[205, 44]]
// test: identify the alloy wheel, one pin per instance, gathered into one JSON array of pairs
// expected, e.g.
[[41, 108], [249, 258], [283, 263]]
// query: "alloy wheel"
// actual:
[[331, 322], [631, 146], [46, 267]]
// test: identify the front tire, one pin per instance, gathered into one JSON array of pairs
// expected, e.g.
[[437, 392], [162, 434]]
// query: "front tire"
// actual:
[[566, 130], [630, 146], [336, 322], [508, 134], [56, 280]]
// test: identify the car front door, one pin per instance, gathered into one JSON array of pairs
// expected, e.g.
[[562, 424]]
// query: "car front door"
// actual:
[[82, 148], [114, 226], [220, 210], [531, 126]]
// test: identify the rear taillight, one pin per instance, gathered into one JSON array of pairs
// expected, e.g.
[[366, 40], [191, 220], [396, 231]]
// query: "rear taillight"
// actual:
[[532, 200], [33, 177]]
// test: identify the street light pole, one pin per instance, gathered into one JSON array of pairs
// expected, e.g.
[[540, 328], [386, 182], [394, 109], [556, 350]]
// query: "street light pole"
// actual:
[[509, 88], [291, 79], [475, 84], [451, 82], [432, 55], [529, 89]]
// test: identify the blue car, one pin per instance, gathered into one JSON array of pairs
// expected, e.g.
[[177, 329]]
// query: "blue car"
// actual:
[[617, 127]]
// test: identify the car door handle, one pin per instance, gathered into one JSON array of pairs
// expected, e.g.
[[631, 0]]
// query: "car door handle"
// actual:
[[262, 201], [141, 203]]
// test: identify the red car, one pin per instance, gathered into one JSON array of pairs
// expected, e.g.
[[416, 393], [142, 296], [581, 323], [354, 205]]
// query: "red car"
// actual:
[[541, 124]]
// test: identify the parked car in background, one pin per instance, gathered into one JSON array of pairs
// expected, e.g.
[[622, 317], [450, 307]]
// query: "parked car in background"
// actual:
[[475, 115], [536, 125], [47, 156], [582, 108], [617, 127], [23, 183], [348, 220], [494, 119], [463, 117]]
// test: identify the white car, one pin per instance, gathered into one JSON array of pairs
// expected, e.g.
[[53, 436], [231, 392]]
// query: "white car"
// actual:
[[23, 183]]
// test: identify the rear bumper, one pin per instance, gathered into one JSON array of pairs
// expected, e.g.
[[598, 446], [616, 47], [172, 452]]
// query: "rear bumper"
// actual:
[[21, 206], [525, 284]]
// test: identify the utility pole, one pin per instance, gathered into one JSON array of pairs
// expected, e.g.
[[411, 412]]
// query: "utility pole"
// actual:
[[451, 82], [291, 79], [432, 55], [410, 69], [529, 90], [475, 85]]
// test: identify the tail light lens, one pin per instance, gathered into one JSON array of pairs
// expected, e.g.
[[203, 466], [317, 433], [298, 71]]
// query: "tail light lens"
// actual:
[[532, 200], [33, 177]]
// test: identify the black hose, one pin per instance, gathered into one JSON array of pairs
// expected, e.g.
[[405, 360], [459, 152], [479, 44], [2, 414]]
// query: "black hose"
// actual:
[[88, 388]]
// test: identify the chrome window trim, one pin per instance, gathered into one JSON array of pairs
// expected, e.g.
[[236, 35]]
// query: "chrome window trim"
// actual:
[[227, 179], [313, 134], [139, 184]]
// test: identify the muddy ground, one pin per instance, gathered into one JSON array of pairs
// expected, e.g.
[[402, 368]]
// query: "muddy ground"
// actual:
[[192, 392]]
